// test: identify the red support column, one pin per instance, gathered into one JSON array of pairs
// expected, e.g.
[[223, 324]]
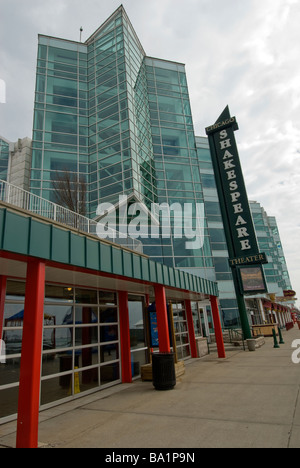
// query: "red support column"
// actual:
[[217, 327], [162, 319], [125, 337], [2, 302], [191, 328], [31, 358]]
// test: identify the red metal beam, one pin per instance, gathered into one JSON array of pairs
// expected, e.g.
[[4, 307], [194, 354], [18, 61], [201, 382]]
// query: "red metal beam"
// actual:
[[162, 319], [191, 329], [30, 372], [217, 327]]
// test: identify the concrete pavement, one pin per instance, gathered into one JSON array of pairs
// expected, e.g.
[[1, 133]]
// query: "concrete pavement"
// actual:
[[248, 400]]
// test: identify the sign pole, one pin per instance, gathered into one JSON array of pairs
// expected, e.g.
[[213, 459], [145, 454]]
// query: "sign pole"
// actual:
[[242, 308]]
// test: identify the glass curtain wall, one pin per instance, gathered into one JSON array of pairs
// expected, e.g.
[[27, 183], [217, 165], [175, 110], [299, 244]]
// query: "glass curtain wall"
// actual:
[[269, 241], [80, 343], [60, 128], [120, 123], [109, 139], [4, 158], [121, 158], [138, 334], [177, 169], [181, 330], [91, 116]]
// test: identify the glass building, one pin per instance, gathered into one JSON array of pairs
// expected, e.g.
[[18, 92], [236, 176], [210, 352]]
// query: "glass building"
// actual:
[[4, 158], [120, 122], [89, 118], [269, 241]]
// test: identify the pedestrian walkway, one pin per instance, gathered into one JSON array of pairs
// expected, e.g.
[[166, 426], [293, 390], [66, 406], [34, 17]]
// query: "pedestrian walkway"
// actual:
[[246, 400]]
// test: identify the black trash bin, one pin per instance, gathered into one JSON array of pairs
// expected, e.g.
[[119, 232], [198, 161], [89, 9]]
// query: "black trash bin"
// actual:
[[163, 371]]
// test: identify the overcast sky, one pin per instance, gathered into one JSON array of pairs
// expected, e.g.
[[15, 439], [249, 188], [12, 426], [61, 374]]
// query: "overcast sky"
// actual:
[[244, 53]]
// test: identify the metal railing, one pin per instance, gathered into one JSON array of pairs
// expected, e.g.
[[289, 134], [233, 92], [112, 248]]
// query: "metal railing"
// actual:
[[236, 335], [20, 198], [231, 336]]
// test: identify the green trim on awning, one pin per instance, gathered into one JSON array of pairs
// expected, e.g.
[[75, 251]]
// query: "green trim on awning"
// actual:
[[26, 235]]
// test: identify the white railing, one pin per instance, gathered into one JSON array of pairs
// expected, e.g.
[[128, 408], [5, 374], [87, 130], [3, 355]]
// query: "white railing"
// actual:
[[20, 198]]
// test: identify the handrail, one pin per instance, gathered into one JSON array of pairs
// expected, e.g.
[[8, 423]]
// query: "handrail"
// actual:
[[28, 201], [236, 335]]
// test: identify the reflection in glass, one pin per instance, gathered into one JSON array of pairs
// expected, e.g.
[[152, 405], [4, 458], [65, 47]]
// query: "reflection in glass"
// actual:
[[58, 293], [13, 341], [87, 357], [109, 373], [109, 315], [80, 343], [57, 338], [86, 380], [86, 335], [136, 323], [10, 372], [9, 401], [59, 314], [84, 296], [55, 363], [109, 352], [52, 390], [109, 333], [107, 298], [138, 359], [86, 314]]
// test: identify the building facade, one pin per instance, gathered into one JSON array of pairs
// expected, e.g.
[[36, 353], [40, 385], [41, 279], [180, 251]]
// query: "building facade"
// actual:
[[15, 162], [74, 315], [269, 240], [4, 158], [120, 122]]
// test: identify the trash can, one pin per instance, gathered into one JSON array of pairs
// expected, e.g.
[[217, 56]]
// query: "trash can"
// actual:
[[251, 344], [163, 371]]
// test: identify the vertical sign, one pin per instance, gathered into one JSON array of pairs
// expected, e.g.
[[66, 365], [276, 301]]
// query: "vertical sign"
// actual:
[[237, 218], [231, 186]]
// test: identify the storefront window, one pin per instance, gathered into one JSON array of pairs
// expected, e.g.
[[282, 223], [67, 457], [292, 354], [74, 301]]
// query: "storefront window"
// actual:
[[83, 326], [80, 343], [196, 319], [12, 337], [139, 349], [181, 330]]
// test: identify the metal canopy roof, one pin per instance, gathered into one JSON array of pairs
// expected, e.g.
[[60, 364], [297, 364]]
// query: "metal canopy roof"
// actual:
[[25, 235]]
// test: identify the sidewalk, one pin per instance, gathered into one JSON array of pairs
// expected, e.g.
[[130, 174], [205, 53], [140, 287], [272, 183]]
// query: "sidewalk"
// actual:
[[245, 400]]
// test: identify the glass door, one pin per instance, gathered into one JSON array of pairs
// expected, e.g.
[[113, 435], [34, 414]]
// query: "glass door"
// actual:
[[138, 334], [181, 331], [206, 320]]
